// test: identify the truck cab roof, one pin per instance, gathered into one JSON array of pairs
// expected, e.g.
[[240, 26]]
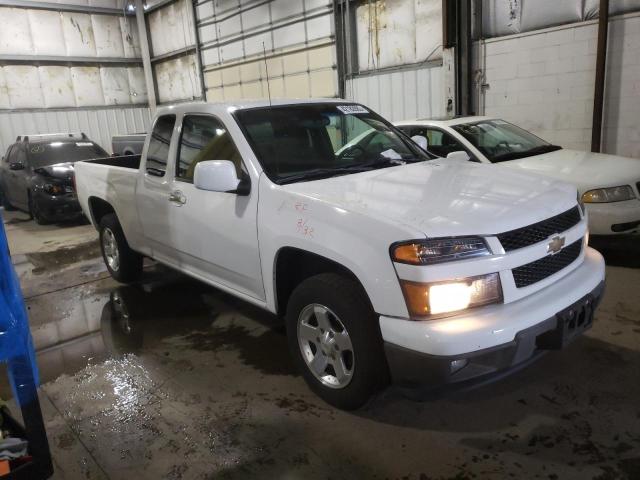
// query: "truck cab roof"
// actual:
[[246, 104]]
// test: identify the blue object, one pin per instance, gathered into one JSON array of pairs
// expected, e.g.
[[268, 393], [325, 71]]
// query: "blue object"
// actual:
[[16, 345]]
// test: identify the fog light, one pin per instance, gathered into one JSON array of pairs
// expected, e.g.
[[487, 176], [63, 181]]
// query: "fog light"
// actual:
[[458, 364]]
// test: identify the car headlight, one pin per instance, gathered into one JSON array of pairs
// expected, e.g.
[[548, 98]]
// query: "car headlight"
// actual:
[[440, 298], [53, 189], [609, 195], [439, 250]]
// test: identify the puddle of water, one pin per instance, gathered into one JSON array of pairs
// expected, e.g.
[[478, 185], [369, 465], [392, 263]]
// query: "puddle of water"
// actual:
[[90, 324], [56, 260]]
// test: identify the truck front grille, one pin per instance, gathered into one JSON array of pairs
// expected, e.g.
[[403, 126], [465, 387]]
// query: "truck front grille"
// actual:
[[542, 268], [537, 232]]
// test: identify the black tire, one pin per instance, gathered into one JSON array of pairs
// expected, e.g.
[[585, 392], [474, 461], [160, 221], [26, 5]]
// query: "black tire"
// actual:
[[5, 202], [128, 267], [346, 301], [34, 211]]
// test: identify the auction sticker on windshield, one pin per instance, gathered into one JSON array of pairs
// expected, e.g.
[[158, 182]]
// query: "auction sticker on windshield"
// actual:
[[351, 109]]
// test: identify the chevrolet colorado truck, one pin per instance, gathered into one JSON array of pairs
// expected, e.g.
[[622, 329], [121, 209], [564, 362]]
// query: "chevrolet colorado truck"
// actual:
[[388, 265]]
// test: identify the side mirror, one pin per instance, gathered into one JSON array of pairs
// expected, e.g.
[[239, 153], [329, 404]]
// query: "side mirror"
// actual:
[[16, 166], [219, 176], [460, 156], [422, 142]]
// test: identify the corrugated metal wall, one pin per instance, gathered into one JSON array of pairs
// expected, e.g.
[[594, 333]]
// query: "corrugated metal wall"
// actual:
[[99, 124], [404, 94], [297, 36]]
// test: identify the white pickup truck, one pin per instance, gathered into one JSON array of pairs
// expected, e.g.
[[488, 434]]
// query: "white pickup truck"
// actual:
[[387, 264]]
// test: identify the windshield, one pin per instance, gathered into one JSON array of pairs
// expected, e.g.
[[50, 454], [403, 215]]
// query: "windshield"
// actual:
[[500, 141], [303, 142], [44, 154]]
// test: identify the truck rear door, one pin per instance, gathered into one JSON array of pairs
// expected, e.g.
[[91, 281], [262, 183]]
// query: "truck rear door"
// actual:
[[153, 187]]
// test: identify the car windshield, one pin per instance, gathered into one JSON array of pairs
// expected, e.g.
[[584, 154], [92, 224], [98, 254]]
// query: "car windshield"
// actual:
[[311, 141], [500, 141], [44, 154]]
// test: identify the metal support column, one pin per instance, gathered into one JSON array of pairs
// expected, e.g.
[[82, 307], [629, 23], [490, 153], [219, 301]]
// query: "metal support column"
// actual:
[[601, 62], [143, 34], [463, 58], [196, 37]]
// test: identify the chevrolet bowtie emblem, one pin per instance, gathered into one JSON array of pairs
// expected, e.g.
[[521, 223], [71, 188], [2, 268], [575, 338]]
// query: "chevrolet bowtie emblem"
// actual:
[[555, 245]]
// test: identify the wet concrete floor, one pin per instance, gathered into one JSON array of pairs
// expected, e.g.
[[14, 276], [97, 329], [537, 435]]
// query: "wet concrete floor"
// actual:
[[173, 379]]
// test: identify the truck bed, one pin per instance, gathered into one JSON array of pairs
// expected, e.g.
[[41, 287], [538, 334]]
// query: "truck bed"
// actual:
[[124, 161], [111, 180]]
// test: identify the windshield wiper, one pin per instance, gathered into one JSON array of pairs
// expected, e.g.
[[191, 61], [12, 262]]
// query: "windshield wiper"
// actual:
[[526, 153], [318, 173]]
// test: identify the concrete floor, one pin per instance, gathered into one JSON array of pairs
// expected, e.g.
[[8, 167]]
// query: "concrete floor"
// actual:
[[172, 379]]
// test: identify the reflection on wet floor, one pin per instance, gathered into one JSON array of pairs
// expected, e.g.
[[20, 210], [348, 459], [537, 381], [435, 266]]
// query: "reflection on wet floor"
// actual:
[[91, 324]]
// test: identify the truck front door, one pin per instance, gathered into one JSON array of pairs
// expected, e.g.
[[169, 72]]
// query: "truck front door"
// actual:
[[214, 233]]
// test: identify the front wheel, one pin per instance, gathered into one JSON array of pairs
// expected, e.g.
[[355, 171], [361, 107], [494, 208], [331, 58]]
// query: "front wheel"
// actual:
[[335, 340], [124, 264], [34, 211]]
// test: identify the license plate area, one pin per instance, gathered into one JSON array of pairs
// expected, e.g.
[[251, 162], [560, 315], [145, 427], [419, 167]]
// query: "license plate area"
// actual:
[[571, 323]]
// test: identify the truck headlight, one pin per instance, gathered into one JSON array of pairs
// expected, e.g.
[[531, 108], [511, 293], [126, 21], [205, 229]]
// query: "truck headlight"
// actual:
[[426, 299], [439, 250], [609, 195]]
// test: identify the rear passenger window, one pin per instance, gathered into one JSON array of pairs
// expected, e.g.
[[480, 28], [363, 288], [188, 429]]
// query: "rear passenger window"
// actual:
[[204, 138], [158, 152]]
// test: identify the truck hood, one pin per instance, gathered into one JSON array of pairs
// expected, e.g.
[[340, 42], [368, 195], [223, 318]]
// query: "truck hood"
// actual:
[[585, 170], [440, 199]]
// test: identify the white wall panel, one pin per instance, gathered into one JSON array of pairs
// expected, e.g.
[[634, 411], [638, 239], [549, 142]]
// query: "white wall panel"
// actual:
[[177, 79], [46, 32], [41, 32], [15, 32], [115, 85], [49, 33], [87, 86], [401, 95], [100, 125], [130, 37], [108, 37], [506, 17], [399, 32], [57, 86], [93, 3], [171, 28], [4, 92], [137, 86], [23, 85], [78, 34]]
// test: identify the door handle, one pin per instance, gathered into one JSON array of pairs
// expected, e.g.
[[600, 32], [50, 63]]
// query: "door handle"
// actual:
[[178, 198]]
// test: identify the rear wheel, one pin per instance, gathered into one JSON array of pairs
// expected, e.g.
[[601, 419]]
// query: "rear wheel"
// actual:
[[124, 264], [335, 340], [5, 202]]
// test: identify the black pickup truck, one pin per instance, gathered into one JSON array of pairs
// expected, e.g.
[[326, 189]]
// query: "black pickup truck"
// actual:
[[36, 174]]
